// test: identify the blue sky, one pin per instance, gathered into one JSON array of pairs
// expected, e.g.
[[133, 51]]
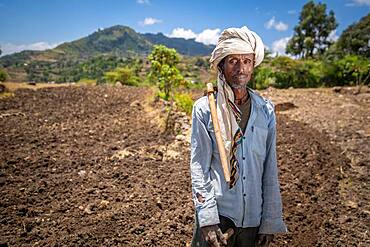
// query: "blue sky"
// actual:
[[41, 24]]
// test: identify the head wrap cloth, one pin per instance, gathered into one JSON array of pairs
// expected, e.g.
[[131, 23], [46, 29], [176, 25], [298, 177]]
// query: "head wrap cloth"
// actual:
[[238, 41], [232, 41]]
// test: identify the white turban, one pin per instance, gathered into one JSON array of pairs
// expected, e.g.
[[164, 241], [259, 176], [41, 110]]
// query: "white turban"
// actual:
[[238, 41], [232, 41]]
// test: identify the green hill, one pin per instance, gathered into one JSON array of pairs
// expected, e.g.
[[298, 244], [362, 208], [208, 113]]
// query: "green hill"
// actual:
[[116, 40], [99, 51], [188, 47]]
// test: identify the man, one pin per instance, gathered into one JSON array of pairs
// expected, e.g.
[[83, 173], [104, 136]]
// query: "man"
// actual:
[[250, 205]]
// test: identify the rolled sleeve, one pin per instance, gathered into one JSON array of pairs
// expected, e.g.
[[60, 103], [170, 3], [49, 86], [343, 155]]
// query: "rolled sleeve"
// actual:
[[200, 163], [272, 216]]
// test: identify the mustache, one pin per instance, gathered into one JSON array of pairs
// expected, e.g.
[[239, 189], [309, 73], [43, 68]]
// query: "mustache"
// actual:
[[240, 74]]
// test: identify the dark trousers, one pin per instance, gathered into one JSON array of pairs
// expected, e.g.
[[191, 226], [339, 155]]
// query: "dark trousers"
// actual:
[[242, 237]]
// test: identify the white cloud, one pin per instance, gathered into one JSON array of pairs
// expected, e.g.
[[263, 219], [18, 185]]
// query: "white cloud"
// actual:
[[149, 21], [207, 36], [180, 32], [270, 23], [279, 26], [358, 3], [143, 2], [333, 35], [9, 48], [278, 46]]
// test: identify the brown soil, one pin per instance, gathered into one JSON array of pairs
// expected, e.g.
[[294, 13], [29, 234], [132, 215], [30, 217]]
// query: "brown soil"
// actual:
[[339, 120], [89, 166]]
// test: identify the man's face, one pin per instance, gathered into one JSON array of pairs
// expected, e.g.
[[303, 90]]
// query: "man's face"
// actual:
[[238, 69]]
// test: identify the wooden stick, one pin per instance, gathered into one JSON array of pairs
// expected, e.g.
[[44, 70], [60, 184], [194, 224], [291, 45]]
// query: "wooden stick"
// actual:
[[216, 126]]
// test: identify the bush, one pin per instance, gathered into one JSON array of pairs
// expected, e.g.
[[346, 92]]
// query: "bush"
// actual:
[[309, 74], [3, 75], [125, 75], [263, 77], [284, 72], [184, 102], [352, 69], [133, 81], [111, 77], [87, 82]]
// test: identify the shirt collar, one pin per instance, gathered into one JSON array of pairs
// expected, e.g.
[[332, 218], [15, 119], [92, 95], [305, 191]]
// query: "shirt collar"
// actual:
[[255, 97]]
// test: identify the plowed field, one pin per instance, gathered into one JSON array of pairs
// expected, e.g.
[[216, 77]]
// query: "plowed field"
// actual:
[[90, 166]]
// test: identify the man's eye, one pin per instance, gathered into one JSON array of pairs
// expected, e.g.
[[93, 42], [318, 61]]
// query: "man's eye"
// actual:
[[247, 61], [233, 61]]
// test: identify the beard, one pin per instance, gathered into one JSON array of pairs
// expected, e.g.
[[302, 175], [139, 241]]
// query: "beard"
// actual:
[[238, 85], [235, 82]]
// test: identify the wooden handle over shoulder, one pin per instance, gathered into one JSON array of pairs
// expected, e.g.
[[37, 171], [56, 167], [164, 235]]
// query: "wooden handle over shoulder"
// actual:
[[210, 88], [216, 126]]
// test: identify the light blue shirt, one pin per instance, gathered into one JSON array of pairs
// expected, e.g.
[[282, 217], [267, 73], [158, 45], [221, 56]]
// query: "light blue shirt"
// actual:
[[255, 199]]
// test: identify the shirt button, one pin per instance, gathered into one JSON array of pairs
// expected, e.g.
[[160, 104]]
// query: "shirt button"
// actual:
[[244, 194], [243, 137], [243, 178], [243, 158]]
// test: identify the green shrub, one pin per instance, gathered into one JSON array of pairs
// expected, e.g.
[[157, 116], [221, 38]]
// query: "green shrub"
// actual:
[[263, 77], [3, 75], [125, 75], [133, 81], [184, 101], [352, 69], [88, 82], [309, 74], [284, 71], [110, 77]]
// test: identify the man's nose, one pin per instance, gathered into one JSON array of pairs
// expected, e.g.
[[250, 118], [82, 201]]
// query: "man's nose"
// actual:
[[241, 68]]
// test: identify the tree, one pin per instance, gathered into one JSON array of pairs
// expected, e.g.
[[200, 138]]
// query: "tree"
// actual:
[[312, 32], [163, 69], [167, 76], [355, 39]]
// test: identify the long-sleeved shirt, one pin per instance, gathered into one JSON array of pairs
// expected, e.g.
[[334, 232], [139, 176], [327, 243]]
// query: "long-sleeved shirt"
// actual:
[[255, 199]]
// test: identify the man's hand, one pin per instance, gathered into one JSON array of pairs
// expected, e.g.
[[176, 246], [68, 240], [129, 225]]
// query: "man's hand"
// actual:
[[214, 237], [263, 240]]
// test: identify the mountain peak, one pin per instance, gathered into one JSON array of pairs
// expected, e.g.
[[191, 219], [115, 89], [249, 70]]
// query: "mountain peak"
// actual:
[[118, 40]]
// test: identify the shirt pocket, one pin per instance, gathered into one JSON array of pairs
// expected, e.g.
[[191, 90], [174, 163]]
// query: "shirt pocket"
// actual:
[[259, 139]]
